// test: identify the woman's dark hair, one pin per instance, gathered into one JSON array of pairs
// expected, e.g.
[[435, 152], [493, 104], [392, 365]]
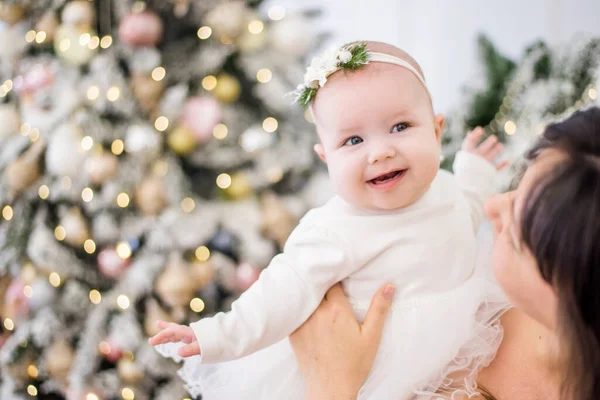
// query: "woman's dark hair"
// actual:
[[560, 225]]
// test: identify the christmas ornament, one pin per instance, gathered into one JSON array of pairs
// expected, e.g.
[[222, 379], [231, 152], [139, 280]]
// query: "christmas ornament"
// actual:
[[154, 312], [37, 77], [59, 359], [202, 274], [246, 275], [147, 91], [11, 13], [228, 18], [70, 46], [181, 141], [143, 139], [201, 115], [228, 88], [10, 120], [240, 187], [65, 154], [111, 264], [49, 24], [79, 13], [174, 285], [101, 166], [291, 36], [111, 350], [150, 196], [76, 227], [141, 29], [255, 139], [129, 371], [278, 221], [42, 294], [25, 170], [16, 303]]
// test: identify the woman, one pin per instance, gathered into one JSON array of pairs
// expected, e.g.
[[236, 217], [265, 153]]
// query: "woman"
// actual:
[[546, 259]]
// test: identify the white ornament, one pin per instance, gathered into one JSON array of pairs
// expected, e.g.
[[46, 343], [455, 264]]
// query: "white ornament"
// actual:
[[228, 18], [64, 154], [142, 139], [10, 120], [255, 139]]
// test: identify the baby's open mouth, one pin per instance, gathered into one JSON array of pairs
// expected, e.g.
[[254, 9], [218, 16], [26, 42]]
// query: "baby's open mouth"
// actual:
[[387, 177]]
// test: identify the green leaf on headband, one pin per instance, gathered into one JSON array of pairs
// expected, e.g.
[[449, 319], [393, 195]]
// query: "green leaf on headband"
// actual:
[[360, 56]]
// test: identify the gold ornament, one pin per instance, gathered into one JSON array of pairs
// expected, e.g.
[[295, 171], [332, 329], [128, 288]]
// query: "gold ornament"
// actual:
[[181, 141], [240, 187], [129, 371], [155, 312], [147, 90], [150, 196], [228, 88], [48, 24], [202, 274], [59, 359], [28, 273], [76, 227], [278, 221], [72, 44], [101, 166], [11, 13], [174, 285], [25, 170]]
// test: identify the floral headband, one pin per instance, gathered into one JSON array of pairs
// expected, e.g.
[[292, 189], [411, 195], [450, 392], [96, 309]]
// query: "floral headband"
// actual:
[[350, 57]]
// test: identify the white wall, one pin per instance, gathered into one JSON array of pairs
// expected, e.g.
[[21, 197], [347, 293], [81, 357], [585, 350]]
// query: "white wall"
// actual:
[[441, 34]]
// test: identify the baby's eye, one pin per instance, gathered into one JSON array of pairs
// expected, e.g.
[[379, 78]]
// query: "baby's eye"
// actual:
[[400, 127], [354, 140]]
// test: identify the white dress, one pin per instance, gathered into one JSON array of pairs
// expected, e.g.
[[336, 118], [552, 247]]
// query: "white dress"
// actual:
[[443, 319]]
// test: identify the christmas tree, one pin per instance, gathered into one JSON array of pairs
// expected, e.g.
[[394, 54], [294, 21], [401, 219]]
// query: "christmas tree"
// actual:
[[151, 166]]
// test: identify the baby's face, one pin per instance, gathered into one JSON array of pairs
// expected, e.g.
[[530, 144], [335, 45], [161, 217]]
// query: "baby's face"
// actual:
[[379, 137]]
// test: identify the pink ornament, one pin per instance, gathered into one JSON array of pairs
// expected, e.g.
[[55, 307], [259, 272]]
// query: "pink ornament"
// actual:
[[201, 115], [16, 299], [246, 275], [141, 29], [111, 264], [111, 351], [37, 77]]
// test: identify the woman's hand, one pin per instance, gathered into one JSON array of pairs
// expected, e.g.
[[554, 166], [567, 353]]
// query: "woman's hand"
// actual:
[[334, 351]]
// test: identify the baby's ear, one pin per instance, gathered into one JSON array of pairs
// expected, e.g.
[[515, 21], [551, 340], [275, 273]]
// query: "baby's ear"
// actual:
[[438, 122], [320, 151]]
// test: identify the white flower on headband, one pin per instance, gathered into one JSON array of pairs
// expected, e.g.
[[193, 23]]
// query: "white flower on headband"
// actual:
[[351, 56]]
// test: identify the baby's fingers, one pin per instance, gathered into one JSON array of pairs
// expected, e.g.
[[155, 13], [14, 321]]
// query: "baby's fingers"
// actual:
[[472, 139], [192, 349], [487, 146]]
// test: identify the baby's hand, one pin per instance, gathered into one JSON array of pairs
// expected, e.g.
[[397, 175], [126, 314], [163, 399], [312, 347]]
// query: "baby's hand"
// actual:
[[489, 149], [174, 333]]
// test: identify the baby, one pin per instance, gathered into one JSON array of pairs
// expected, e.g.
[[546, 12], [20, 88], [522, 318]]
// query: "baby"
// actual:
[[397, 218]]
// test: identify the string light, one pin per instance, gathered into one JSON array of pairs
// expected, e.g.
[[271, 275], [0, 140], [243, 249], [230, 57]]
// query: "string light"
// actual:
[[93, 92], [204, 32], [7, 213], [9, 84], [127, 394], [87, 194], [44, 192], [255, 27], [91, 396], [264, 75], [593, 94], [87, 143], [161, 124], [209, 82], [54, 279], [94, 43], [123, 200], [25, 129], [59, 233], [9, 324], [84, 39], [274, 174], [34, 135], [124, 250], [123, 302], [32, 371], [95, 297], [104, 347], [158, 73], [28, 291], [64, 45], [89, 246], [117, 147], [32, 390], [40, 37], [220, 131], [197, 305], [223, 181], [188, 205], [30, 36], [202, 253], [106, 42], [276, 13], [510, 127], [270, 124], [113, 94]]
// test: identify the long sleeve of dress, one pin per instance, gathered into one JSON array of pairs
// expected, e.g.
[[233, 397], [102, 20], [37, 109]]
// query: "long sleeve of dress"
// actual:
[[476, 177], [285, 295]]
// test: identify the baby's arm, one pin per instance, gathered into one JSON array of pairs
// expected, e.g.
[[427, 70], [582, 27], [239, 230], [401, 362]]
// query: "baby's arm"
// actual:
[[283, 297], [475, 171]]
